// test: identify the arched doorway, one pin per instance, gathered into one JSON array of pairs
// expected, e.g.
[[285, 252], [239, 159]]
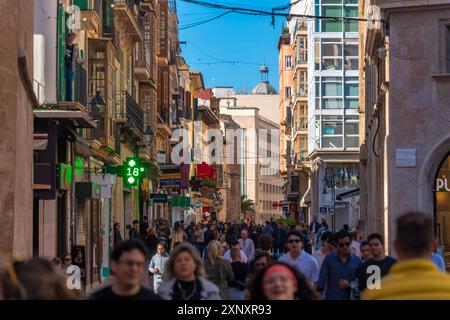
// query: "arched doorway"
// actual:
[[442, 207]]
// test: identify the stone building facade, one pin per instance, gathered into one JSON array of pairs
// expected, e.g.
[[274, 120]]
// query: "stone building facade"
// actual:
[[406, 115]]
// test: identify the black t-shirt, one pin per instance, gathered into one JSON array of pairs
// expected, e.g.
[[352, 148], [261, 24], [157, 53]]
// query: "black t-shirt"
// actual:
[[108, 294], [69, 55], [188, 289], [239, 270], [384, 265]]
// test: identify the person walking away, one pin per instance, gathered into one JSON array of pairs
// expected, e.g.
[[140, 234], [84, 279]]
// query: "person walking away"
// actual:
[[151, 241], [414, 276], [379, 259], [128, 266], [240, 271], [300, 259], [157, 266], [281, 281], [117, 235], [339, 269], [320, 254], [219, 271], [184, 277], [143, 228], [247, 245], [134, 231]]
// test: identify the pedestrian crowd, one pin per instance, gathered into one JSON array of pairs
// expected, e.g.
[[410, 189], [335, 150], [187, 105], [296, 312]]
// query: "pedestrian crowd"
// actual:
[[240, 261]]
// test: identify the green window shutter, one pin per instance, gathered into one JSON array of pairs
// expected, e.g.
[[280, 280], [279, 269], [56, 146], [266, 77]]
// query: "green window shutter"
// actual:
[[83, 4], [62, 18]]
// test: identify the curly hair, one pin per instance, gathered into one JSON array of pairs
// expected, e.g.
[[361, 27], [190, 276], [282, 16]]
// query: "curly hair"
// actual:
[[305, 290]]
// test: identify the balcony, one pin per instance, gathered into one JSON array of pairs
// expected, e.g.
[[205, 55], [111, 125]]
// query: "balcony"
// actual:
[[127, 17], [90, 15], [131, 114], [79, 100], [142, 69]]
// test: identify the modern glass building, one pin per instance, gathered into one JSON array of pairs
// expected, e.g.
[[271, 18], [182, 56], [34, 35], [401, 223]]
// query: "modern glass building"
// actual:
[[333, 101]]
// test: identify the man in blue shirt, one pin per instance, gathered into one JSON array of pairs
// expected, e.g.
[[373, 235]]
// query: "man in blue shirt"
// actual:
[[339, 270]]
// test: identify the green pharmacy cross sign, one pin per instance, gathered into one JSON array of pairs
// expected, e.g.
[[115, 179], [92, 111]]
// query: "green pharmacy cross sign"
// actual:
[[131, 171]]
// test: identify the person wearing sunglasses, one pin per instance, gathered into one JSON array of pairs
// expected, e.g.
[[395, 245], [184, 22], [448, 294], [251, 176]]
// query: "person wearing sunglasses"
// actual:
[[339, 269], [128, 266], [300, 259]]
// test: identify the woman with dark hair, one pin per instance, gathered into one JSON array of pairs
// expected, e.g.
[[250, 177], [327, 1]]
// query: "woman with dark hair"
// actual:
[[185, 277], [280, 281]]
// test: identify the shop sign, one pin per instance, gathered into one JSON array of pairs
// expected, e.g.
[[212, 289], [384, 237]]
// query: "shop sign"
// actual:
[[442, 185], [159, 198]]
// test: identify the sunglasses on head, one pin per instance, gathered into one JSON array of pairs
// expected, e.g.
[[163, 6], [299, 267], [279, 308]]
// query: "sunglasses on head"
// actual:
[[294, 241], [344, 244]]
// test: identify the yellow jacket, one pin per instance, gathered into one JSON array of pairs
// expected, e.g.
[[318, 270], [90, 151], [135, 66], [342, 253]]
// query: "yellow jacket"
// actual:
[[416, 279]]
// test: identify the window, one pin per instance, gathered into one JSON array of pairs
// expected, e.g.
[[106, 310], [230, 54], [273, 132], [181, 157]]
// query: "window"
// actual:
[[329, 25], [351, 54], [351, 132], [332, 131], [288, 92], [351, 25], [331, 56], [288, 62], [331, 86]]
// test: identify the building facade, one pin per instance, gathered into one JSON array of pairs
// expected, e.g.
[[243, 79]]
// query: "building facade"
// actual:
[[332, 102], [16, 144], [405, 151]]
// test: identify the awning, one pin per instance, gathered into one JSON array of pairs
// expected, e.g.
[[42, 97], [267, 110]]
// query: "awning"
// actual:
[[40, 141], [80, 119], [306, 199], [349, 194]]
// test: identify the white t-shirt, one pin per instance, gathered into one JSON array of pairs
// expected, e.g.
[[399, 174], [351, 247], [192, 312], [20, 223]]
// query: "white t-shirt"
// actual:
[[227, 256]]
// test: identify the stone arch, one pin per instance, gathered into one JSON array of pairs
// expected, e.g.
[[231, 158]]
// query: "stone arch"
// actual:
[[427, 174]]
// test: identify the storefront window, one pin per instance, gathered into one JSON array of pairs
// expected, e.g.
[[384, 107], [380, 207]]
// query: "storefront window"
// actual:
[[443, 208]]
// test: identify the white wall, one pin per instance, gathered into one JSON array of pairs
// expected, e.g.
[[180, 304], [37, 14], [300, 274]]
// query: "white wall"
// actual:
[[45, 53]]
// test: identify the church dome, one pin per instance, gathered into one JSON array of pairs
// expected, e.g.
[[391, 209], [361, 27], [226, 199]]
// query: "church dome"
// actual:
[[264, 87]]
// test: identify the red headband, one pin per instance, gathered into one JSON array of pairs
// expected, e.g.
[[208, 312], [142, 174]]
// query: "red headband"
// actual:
[[280, 268]]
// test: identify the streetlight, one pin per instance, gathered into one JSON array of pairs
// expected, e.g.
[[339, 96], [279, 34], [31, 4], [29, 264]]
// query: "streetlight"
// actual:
[[98, 104]]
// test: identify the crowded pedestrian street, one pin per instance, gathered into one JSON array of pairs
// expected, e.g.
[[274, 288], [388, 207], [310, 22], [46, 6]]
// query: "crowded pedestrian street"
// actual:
[[220, 150]]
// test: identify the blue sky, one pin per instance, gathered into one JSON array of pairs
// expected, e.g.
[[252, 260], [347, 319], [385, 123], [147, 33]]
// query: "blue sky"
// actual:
[[233, 37]]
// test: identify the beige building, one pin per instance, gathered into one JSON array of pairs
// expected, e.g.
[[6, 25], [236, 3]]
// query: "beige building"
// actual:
[[16, 131], [260, 177], [406, 146]]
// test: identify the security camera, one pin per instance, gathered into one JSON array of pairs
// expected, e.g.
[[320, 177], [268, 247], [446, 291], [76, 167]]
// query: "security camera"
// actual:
[[381, 53]]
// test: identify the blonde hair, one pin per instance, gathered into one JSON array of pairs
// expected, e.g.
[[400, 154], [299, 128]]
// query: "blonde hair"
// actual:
[[189, 248], [213, 250]]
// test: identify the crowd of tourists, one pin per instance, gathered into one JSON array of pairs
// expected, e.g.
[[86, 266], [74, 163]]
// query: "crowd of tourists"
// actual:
[[240, 261]]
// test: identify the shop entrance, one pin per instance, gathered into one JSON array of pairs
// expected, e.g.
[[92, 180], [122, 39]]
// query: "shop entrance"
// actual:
[[442, 208]]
